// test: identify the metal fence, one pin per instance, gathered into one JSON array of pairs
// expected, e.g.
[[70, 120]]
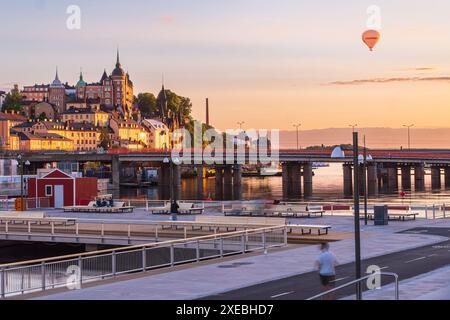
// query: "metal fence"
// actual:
[[358, 283], [74, 270]]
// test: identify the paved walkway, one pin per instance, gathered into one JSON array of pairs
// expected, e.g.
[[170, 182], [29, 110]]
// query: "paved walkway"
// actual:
[[212, 279]]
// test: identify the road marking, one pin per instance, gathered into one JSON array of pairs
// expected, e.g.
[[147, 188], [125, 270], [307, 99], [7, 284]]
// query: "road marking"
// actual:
[[281, 294], [421, 258], [382, 268], [340, 279], [432, 255]]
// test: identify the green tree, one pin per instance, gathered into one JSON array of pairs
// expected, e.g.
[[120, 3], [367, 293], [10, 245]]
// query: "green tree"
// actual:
[[147, 104], [13, 100], [105, 139]]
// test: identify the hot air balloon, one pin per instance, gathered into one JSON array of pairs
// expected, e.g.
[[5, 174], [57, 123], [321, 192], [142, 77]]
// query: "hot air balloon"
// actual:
[[371, 38]]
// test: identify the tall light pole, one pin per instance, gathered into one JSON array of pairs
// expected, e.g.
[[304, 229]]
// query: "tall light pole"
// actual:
[[297, 126], [353, 126], [240, 124], [21, 165], [356, 217], [409, 134]]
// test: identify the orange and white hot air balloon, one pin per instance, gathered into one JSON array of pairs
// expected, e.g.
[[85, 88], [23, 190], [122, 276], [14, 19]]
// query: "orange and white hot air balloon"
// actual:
[[371, 38]]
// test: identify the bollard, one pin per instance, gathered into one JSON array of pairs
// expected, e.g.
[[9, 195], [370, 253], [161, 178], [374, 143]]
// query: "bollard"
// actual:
[[434, 212]]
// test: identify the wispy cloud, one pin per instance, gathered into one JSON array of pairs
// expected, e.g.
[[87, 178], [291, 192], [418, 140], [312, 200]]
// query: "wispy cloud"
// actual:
[[167, 19], [390, 80]]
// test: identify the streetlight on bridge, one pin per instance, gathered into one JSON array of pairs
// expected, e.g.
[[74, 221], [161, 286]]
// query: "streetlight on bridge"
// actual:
[[353, 126], [409, 134], [297, 126], [240, 124]]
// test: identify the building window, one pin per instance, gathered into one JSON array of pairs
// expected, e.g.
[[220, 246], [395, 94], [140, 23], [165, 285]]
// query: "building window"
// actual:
[[48, 191]]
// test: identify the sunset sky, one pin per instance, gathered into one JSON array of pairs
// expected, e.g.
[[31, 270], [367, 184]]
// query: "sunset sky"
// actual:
[[270, 63]]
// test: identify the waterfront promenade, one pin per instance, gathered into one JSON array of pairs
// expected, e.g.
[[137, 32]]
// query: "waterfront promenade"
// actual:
[[215, 279]]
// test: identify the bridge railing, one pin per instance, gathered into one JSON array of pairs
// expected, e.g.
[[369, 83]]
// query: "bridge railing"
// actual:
[[358, 283], [72, 271]]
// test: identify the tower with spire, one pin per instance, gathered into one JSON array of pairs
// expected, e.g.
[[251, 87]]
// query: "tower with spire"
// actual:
[[57, 93], [115, 90]]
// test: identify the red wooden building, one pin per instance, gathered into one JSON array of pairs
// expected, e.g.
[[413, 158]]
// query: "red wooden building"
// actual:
[[62, 189]]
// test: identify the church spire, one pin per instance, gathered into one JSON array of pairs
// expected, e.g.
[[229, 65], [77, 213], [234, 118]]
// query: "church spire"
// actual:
[[56, 76], [118, 59]]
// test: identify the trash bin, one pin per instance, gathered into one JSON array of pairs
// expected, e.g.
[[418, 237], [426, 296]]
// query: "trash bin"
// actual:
[[381, 215]]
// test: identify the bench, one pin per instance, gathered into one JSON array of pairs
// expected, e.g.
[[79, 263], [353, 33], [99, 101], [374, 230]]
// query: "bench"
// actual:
[[282, 210], [396, 216], [183, 208], [318, 228], [190, 208], [23, 214], [38, 221], [217, 222], [160, 209], [119, 207]]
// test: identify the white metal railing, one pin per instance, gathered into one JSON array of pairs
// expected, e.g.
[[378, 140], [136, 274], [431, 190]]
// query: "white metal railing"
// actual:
[[428, 211], [39, 275], [358, 283]]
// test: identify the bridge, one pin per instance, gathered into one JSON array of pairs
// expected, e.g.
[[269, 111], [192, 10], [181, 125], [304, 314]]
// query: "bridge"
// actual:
[[297, 168]]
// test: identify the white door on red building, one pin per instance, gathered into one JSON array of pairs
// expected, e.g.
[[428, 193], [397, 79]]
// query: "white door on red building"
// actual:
[[59, 196]]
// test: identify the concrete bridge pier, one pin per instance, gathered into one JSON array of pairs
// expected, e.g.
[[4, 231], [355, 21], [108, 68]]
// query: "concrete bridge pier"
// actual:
[[227, 183], [286, 185], [419, 178], [436, 178], [447, 177], [308, 179], [372, 179], [177, 182], [296, 180], [392, 178], [115, 171], [406, 177], [200, 177], [164, 181], [237, 182], [348, 180], [219, 183]]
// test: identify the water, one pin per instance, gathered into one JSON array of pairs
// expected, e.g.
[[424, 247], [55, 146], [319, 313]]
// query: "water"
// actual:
[[327, 185]]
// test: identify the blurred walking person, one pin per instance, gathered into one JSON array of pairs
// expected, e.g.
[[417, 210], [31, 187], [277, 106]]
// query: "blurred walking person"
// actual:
[[326, 265]]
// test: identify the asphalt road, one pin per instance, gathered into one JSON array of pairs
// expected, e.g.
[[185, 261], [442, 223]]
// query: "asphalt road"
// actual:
[[406, 264]]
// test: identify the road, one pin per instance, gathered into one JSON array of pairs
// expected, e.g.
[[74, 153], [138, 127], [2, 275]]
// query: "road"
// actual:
[[406, 264]]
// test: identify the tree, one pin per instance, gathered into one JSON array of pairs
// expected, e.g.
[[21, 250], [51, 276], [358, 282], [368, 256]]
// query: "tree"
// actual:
[[13, 100], [147, 104], [105, 140]]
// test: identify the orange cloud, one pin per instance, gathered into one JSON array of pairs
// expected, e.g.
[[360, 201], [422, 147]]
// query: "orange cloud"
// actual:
[[390, 80]]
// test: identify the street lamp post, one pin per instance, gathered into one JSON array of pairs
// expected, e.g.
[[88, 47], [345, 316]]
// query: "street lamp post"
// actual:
[[409, 134], [297, 126], [353, 126], [356, 217], [173, 200], [240, 124], [21, 165]]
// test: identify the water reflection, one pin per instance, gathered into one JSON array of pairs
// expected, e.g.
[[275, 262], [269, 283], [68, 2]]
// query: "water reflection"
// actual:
[[327, 186]]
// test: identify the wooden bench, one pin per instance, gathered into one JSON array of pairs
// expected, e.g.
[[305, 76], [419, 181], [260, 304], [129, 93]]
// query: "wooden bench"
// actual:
[[394, 216], [23, 214], [217, 222], [190, 208], [160, 209], [119, 207], [282, 210], [183, 208], [38, 221], [310, 228]]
